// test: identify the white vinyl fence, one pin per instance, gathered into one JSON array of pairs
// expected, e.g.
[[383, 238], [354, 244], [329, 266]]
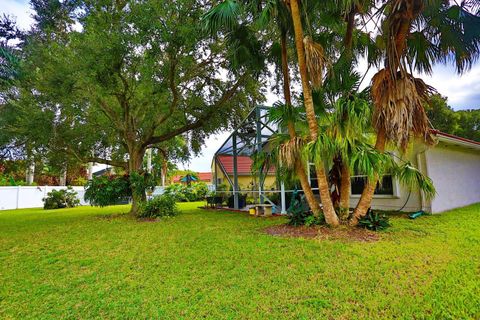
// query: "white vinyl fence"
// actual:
[[31, 197]]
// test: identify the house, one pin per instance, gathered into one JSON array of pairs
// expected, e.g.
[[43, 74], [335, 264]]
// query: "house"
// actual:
[[223, 168], [453, 164]]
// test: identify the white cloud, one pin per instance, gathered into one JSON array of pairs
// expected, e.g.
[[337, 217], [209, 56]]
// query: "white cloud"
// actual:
[[203, 162], [463, 91], [20, 10]]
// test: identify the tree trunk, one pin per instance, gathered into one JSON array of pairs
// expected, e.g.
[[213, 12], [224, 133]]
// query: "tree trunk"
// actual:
[[164, 172], [344, 192], [299, 168], [335, 180], [285, 72], [135, 165], [350, 19], [328, 210], [367, 195]]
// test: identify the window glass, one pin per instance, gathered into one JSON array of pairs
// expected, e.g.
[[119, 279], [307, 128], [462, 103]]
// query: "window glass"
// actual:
[[385, 186]]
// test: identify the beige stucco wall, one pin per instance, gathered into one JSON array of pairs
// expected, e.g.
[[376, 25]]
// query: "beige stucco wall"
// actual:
[[244, 181], [455, 172]]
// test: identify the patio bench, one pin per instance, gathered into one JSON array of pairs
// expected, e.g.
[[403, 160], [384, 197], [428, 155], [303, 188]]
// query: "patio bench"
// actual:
[[266, 209]]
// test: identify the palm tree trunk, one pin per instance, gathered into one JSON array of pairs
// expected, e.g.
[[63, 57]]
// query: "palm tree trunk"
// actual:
[[350, 19], [328, 210], [299, 168], [285, 73], [392, 63], [367, 194]]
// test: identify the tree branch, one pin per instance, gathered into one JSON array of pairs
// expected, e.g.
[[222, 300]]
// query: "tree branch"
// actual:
[[199, 122], [120, 164]]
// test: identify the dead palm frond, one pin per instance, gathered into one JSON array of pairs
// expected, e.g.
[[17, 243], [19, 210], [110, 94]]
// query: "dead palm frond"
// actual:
[[316, 61], [289, 152], [398, 101]]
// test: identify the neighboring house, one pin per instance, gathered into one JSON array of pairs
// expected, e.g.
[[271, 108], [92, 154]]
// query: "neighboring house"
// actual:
[[454, 167], [202, 176], [246, 179], [104, 171]]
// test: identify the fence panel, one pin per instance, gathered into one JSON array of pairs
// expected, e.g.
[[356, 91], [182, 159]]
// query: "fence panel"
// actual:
[[23, 197]]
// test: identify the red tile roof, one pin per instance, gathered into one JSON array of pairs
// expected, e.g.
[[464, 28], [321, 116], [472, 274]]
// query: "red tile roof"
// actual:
[[244, 164], [205, 176]]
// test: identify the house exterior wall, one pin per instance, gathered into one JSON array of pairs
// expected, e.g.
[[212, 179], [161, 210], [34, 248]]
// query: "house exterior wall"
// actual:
[[244, 181], [455, 173]]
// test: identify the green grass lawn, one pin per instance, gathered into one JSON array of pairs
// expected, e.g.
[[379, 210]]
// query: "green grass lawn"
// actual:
[[85, 263]]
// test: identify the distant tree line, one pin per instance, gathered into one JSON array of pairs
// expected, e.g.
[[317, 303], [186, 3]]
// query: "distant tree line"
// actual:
[[463, 123]]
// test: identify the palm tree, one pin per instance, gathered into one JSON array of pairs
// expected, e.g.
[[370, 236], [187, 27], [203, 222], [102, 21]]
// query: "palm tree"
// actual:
[[315, 53], [225, 15], [417, 35]]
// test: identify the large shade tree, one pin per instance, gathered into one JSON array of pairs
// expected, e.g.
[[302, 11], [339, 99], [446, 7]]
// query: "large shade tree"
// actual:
[[134, 75]]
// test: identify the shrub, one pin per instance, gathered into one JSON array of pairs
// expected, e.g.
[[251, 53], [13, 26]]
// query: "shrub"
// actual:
[[79, 181], [140, 183], [201, 190], [107, 190], [57, 199], [299, 214], [184, 193], [159, 206], [374, 221]]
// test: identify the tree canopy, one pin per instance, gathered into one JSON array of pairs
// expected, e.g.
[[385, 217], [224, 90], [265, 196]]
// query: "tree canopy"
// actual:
[[463, 123]]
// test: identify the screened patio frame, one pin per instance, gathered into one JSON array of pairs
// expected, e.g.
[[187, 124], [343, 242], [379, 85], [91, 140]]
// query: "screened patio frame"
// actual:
[[250, 136]]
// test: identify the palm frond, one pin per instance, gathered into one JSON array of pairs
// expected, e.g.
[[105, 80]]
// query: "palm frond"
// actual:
[[222, 16], [316, 61], [281, 114], [321, 150], [368, 161], [413, 179]]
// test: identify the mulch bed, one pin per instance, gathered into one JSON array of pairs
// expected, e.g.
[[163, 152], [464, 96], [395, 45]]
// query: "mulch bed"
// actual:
[[322, 232]]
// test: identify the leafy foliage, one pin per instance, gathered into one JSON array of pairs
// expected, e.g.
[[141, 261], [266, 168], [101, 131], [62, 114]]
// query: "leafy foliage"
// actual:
[[139, 183], [186, 193], [374, 221], [159, 206], [58, 199], [463, 123], [299, 214], [412, 178], [108, 190]]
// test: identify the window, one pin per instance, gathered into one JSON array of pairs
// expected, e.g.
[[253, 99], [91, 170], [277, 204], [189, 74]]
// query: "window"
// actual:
[[219, 180], [385, 187]]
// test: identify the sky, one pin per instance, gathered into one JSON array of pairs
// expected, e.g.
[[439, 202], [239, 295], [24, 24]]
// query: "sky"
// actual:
[[463, 91]]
